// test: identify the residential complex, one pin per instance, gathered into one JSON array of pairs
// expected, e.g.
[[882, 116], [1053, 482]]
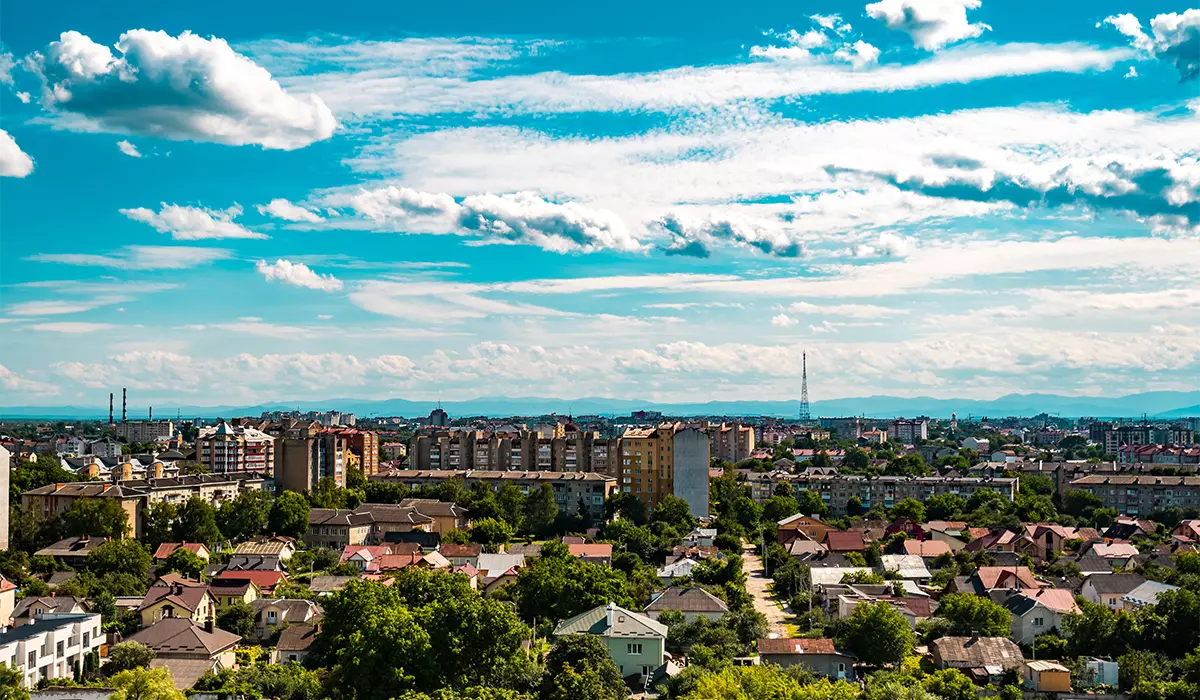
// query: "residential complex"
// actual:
[[227, 448], [144, 431], [569, 487], [908, 432], [51, 646], [836, 490], [731, 442], [668, 460], [305, 453], [1142, 494]]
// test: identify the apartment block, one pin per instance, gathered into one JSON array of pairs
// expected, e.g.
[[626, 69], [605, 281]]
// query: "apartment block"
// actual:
[[846, 428], [512, 448], [145, 431], [569, 487], [908, 431], [5, 465], [652, 465], [1134, 435], [51, 646], [305, 453], [836, 490], [731, 443], [225, 448], [1141, 494], [364, 445]]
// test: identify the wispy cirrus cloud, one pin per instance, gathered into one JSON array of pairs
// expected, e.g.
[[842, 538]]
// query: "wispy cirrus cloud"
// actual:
[[140, 257]]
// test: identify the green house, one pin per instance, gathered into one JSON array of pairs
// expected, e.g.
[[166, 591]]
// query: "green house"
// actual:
[[634, 641]]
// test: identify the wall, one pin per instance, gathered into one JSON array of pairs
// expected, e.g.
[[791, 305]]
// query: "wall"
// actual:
[[691, 469]]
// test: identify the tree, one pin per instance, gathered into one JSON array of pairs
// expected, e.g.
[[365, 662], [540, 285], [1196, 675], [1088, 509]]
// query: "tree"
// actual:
[[877, 634], [541, 510], [127, 656], [675, 512], [99, 517], [289, 515], [909, 508], [158, 522], [245, 516], [555, 588], [491, 532], [951, 684], [185, 562], [968, 613], [237, 618], [765, 682], [289, 681], [944, 506], [1080, 503], [779, 507], [119, 557], [854, 506], [11, 680], [144, 684], [197, 522], [856, 460], [812, 504]]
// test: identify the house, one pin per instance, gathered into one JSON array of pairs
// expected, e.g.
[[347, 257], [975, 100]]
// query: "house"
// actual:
[[446, 515], [849, 541], [498, 570], [1047, 677], [264, 555], [173, 596], [693, 603], [8, 601], [235, 592], [813, 528], [911, 528], [819, 656], [1089, 564], [403, 560], [1144, 595], [167, 548], [804, 548], [328, 585], [1044, 538], [635, 642], [294, 642], [980, 445], [677, 569], [913, 608], [593, 553], [994, 577], [28, 609], [983, 659], [910, 567], [188, 649], [953, 533], [459, 554], [1128, 528], [1188, 530], [701, 537], [366, 557], [265, 580], [927, 549], [51, 646], [1117, 553], [1036, 611], [696, 551], [1000, 540], [1109, 589], [271, 613], [337, 528], [71, 551]]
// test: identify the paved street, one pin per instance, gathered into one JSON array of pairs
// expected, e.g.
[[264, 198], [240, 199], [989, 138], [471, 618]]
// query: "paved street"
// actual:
[[756, 585]]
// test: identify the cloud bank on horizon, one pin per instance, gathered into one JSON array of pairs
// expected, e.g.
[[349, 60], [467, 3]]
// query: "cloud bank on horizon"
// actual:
[[933, 197]]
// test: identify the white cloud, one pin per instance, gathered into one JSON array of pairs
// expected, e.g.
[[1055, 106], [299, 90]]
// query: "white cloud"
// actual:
[[860, 54], [186, 223], [283, 209], [141, 257], [438, 302], [182, 88], [693, 236], [1131, 73], [783, 321], [129, 149], [13, 161], [12, 382], [297, 274], [59, 307], [932, 24], [833, 22], [842, 310], [71, 327], [1176, 39], [7, 63], [23, 97], [888, 244]]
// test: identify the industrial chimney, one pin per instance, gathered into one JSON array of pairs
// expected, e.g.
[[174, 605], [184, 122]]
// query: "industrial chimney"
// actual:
[[122, 406], [110, 409], [151, 418]]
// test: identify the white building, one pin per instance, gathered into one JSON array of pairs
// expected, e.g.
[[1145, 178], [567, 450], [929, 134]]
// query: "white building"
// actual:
[[51, 646], [908, 432], [145, 431], [980, 445], [226, 448], [105, 448], [71, 447], [691, 469]]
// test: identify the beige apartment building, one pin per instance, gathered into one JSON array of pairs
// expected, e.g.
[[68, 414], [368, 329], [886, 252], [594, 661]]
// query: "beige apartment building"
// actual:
[[568, 486], [227, 448], [1141, 494], [836, 490], [731, 443], [306, 452], [512, 449], [670, 459]]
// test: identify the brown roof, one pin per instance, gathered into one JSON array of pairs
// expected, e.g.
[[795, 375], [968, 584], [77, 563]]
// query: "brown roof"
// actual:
[[591, 550], [797, 646], [182, 637], [1006, 577], [297, 638], [167, 548], [850, 541], [926, 548], [975, 652], [264, 579], [461, 550], [186, 596], [266, 548], [687, 600]]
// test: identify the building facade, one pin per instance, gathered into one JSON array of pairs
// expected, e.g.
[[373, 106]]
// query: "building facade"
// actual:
[[731, 443], [836, 490], [908, 431], [1141, 494], [569, 488], [306, 453], [52, 646], [225, 448], [145, 431], [5, 466]]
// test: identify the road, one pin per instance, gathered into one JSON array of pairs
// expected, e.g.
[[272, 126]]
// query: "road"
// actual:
[[756, 585]]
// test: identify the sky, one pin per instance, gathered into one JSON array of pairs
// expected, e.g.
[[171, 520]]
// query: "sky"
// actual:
[[218, 203]]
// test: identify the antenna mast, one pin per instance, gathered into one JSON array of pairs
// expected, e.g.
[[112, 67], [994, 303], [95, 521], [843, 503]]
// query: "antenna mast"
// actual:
[[805, 416]]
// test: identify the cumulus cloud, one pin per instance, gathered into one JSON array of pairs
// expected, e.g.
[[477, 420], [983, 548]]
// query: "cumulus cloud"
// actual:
[[932, 24], [694, 235], [283, 209], [888, 244], [186, 223], [859, 54], [129, 149], [184, 87], [783, 321], [522, 217], [12, 382], [297, 274], [140, 257], [13, 161], [1174, 38]]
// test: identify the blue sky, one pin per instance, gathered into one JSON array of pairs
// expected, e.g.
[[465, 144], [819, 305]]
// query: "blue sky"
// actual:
[[959, 198]]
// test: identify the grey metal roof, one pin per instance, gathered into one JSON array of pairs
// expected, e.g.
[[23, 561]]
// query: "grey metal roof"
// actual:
[[611, 621]]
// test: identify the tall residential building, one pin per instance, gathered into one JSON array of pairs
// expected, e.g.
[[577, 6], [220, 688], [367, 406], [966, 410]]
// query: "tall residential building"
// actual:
[[226, 448], [305, 453], [651, 467], [364, 444], [145, 431], [438, 418], [1134, 435], [908, 431], [5, 464], [511, 448], [846, 428], [569, 488], [692, 459], [836, 490], [1141, 494], [731, 443]]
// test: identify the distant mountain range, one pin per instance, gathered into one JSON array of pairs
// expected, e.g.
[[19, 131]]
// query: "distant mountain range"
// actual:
[[1157, 404]]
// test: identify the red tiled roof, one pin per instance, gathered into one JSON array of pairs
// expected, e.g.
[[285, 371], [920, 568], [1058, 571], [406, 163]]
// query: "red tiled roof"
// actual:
[[460, 550], [591, 550], [1003, 577], [263, 579], [926, 548], [850, 541], [166, 548]]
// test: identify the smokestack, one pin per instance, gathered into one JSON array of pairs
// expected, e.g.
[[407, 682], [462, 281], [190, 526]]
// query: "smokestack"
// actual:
[[151, 419], [110, 409], [122, 406]]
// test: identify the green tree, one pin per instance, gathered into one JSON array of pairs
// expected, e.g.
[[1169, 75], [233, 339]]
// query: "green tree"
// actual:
[[779, 507], [237, 618], [555, 588], [99, 517], [185, 562], [951, 684], [246, 515], [289, 515], [968, 613], [126, 656], [541, 510], [491, 532], [674, 511], [197, 522], [821, 460], [877, 634], [909, 508], [579, 667], [944, 506], [1080, 503], [158, 522], [812, 504], [856, 460], [145, 684], [119, 557], [10, 683], [283, 681]]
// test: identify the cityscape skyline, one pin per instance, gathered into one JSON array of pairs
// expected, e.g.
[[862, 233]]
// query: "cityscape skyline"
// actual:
[[546, 202]]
